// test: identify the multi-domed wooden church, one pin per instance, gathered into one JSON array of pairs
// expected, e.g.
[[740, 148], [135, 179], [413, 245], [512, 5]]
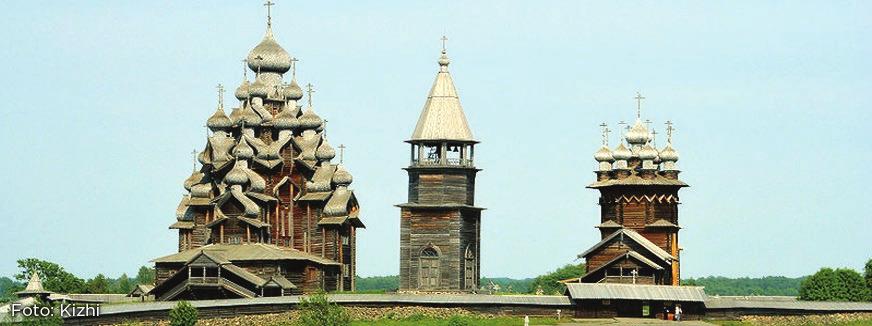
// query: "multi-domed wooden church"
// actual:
[[268, 213], [638, 187]]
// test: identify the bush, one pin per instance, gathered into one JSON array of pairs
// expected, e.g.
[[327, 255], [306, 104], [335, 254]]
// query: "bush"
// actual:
[[835, 285], [317, 310], [457, 321], [184, 314]]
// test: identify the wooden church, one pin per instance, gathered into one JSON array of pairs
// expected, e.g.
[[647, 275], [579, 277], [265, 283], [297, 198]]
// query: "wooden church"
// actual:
[[268, 213], [638, 187], [440, 226]]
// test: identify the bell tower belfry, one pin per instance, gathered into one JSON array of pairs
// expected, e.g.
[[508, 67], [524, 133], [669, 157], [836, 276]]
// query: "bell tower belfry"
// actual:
[[440, 224]]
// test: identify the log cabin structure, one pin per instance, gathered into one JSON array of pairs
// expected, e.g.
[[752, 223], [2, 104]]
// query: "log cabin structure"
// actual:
[[439, 224], [267, 213], [638, 187]]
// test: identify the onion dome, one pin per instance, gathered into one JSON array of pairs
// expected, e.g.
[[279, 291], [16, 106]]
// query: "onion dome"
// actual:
[[293, 91], [236, 115], [237, 175], [243, 150], [219, 120], [250, 117], [269, 56], [669, 154], [443, 59], [603, 155], [647, 153], [342, 177], [242, 91], [310, 120], [259, 88], [258, 183], [325, 152], [202, 190], [621, 153], [638, 135], [195, 178], [286, 119]]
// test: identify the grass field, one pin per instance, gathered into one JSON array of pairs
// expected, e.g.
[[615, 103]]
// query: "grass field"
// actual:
[[457, 321]]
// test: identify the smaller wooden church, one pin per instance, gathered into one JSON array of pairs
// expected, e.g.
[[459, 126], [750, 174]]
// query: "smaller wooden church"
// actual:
[[638, 187]]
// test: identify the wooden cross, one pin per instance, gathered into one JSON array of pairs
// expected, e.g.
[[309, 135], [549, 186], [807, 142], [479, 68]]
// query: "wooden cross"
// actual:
[[606, 131], [269, 5], [634, 273], [294, 67], [654, 138], [444, 39], [647, 123], [245, 68], [310, 90], [341, 153], [194, 158], [669, 130], [639, 99], [221, 96]]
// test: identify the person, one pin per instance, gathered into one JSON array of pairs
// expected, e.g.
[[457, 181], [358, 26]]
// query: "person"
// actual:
[[678, 313], [665, 313]]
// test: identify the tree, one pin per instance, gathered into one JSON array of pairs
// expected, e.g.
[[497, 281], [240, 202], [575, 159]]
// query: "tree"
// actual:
[[834, 285], [123, 284], [317, 310], [54, 277], [98, 284], [550, 283], [184, 314], [869, 274], [145, 275]]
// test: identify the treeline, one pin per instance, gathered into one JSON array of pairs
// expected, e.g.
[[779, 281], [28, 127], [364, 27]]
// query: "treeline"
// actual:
[[56, 279], [769, 285]]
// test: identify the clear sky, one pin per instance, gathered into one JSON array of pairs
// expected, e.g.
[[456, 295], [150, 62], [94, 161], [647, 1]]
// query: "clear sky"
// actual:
[[104, 101]]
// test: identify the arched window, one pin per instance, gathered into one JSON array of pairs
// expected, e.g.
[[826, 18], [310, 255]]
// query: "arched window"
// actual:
[[469, 269], [429, 269]]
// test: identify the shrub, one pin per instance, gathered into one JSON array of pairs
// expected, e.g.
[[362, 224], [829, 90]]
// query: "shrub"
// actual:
[[457, 321], [317, 310], [184, 314], [835, 285]]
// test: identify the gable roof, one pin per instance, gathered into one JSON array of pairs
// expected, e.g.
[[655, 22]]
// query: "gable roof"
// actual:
[[636, 237], [628, 254], [244, 252]]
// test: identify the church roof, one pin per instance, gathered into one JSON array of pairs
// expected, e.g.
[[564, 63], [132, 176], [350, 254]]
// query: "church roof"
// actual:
[[636, 237], [635, 180], [600, 291], [244, 252], [442, 117], [34, 286], [662, 223]]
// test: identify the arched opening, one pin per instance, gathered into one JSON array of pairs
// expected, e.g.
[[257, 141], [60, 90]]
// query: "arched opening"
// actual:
[[469, 269], [429, 269]]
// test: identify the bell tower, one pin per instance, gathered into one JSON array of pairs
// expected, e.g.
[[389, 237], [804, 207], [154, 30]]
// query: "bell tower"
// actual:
[[440, 224]]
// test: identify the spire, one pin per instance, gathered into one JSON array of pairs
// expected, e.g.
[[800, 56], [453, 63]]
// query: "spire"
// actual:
[[442, 117]]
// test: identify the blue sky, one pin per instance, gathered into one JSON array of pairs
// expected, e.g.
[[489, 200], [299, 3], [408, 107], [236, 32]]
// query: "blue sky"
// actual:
[[104, 101]]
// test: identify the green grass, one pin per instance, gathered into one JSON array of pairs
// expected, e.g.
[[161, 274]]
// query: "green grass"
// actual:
[[863, 322], [426, 321]]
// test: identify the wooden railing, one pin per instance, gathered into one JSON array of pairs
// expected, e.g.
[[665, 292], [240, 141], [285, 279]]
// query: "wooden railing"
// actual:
[[447, 162]]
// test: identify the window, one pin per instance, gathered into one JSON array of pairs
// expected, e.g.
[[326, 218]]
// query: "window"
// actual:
[[429, 269]]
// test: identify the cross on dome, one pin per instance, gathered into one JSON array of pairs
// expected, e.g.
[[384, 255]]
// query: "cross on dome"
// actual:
[[639, 99], [268, 6]]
